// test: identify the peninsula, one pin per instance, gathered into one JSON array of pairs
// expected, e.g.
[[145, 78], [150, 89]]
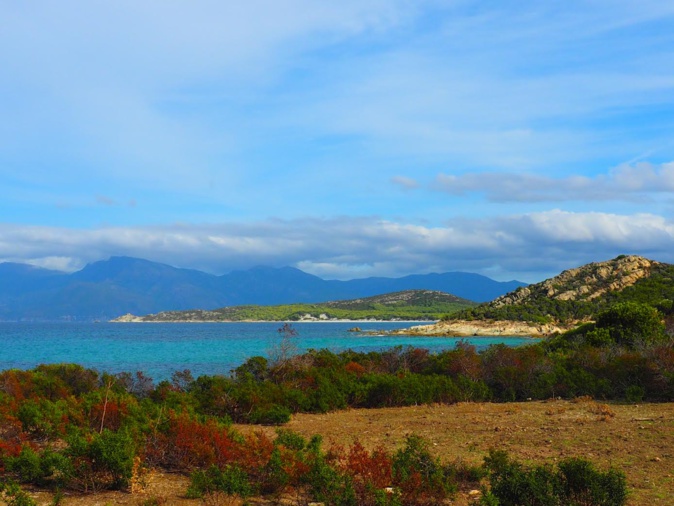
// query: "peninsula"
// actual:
[[407, 305]]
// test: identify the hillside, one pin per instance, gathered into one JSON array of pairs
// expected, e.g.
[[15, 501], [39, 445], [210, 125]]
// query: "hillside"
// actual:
[[559, 303], [110, 288], [404, 305]]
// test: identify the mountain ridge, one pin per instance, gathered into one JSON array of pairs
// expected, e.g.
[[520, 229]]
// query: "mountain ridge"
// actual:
[[106, 289]]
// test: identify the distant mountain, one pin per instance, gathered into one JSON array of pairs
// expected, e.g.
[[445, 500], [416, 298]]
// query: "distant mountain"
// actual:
[[107, 289]]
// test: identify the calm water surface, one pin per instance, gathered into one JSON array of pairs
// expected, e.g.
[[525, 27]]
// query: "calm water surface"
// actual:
[[159, 349]]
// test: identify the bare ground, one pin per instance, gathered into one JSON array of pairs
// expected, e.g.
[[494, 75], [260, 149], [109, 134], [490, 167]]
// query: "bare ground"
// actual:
[[636, 439]]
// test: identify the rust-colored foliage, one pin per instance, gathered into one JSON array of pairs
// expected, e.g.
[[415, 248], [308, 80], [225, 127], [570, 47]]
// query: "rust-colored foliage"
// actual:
[[354, 368], [188, 444], [255, 452], [375, 469], [12, 437], [17, 384], [108, 415], [465, 361]]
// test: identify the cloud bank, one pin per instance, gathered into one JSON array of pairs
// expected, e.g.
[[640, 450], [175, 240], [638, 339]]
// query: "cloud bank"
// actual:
[[626, 182], [531, 246]]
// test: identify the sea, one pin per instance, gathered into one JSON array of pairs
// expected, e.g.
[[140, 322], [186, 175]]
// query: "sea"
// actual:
[[160, 349]]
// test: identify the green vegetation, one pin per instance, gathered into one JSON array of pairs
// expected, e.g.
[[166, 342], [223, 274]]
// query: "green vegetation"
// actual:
[[407, 305], [572, 482], [627, 324]]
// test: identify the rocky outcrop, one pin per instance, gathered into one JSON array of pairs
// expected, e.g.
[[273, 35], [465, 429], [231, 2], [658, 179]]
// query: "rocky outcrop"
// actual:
[[128, 318], [584, 283], [464, 328]]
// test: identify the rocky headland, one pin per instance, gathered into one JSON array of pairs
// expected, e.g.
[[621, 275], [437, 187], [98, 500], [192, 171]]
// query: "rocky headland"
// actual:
[[542, 309]]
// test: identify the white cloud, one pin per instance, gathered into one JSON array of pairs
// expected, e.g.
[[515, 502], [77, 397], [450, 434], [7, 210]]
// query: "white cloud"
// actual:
[[529, 246], [406, 183], [626, 182]]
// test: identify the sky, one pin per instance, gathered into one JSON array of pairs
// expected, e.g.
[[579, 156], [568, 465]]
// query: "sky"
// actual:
[[348, 138]]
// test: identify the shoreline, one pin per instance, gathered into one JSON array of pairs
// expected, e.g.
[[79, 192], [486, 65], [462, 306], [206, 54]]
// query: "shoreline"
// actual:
[[139, 320]]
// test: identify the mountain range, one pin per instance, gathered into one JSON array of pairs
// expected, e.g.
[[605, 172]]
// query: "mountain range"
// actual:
[[110, 288]]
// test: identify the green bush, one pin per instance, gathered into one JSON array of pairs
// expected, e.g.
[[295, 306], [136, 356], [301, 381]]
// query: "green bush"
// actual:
[[42, 469], [101, 461], [274, 477], [419, 475], [231, 480], [631, 324], [634, 393], [26, 466], [574, 482], [274, 415], [42, 418], [12, 495], [583, 484], [290, 439]]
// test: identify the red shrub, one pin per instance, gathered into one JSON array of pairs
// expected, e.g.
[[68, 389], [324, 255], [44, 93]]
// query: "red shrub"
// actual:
[[255, 452], [188, 444], [366, 468], [12, 438], [355, 368], [111, 413], [17, 384]]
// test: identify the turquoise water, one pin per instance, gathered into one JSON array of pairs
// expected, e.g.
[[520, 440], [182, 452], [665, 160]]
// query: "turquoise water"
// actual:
[[159, 349]]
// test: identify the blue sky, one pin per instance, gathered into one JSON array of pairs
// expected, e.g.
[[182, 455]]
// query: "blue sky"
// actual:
[[349, 139]]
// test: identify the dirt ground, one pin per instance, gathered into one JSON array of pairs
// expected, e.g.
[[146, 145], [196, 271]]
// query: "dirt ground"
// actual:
[[636, 439]]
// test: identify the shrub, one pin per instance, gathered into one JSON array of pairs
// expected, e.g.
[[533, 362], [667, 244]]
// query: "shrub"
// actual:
[[185, 443], [273, 477], [101, 461], [42, 469], [26, 466], [630, 324], [325, 483], [574, 482], [42, 418], [12, 495], [290, 439], [274, 415], [583, 484], [369, 470], [634, 394], [419, 475], [231, 480]]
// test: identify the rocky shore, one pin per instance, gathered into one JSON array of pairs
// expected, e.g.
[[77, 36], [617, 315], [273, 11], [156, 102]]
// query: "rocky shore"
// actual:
[[464, 328]]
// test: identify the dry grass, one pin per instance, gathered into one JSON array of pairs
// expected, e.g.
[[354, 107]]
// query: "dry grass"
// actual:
[[637, 439]]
